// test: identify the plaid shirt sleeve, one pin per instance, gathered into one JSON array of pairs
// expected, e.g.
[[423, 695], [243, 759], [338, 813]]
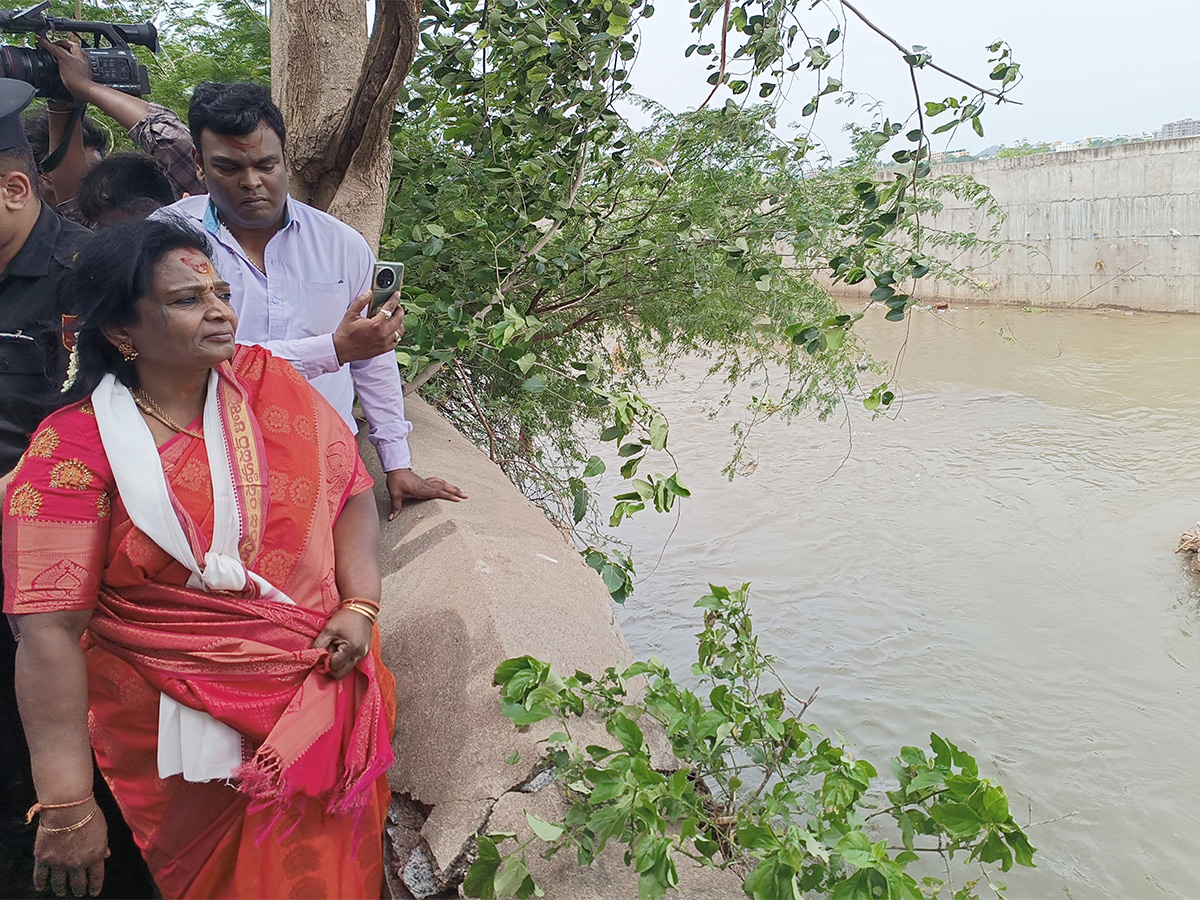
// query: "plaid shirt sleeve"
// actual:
[[163, 135]]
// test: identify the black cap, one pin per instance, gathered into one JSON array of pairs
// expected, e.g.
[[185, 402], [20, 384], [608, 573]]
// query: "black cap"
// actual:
[[14, 97]]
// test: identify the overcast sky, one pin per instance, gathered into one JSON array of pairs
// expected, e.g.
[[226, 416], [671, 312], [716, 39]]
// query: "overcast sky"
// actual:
[[1092, 67]]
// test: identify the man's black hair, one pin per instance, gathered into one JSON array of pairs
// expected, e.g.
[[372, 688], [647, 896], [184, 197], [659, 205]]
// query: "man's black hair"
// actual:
[[233, 109], [37, 129], [19, 159], [130, 183]]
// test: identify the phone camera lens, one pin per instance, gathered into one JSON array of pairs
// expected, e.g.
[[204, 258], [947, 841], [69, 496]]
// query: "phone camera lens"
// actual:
[[385, 279]]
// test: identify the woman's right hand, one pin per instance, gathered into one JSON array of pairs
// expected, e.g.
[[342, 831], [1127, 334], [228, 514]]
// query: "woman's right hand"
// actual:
[[347, 637], [73, 861]]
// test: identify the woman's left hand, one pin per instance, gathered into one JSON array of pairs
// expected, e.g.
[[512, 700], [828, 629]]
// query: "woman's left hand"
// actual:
[[347, 637]]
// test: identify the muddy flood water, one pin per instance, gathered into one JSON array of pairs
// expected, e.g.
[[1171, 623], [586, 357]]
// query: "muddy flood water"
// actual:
[[993, 562]]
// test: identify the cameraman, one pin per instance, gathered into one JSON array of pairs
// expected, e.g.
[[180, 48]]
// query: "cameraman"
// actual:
[[154, 128]]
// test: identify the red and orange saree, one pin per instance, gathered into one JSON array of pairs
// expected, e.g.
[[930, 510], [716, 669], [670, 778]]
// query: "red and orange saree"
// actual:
[[310, 802]]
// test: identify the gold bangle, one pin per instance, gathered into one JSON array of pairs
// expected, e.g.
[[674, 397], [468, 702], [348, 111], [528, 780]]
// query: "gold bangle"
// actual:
[[39, 806], [42, 828], [369, 602], [369, 611], [365, 611]]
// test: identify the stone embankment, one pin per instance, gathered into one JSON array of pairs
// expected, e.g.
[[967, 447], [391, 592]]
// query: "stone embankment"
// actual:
[[466, 586], [1114, 226]]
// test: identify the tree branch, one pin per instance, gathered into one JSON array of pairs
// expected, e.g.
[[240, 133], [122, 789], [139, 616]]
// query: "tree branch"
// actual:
[[466, 383], [368, 117], [1001, 98], [721, 71]]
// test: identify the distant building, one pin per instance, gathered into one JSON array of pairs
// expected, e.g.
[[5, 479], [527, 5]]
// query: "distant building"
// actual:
[[947, 156], [1182, 128]]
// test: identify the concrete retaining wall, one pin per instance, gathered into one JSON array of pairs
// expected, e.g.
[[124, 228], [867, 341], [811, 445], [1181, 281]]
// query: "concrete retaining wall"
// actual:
[[1113, 226]]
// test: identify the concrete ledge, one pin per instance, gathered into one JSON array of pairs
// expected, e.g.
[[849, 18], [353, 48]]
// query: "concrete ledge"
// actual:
[[466, 586]]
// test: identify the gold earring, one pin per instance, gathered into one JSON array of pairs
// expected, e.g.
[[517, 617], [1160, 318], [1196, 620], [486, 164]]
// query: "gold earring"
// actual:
[[127, 352]]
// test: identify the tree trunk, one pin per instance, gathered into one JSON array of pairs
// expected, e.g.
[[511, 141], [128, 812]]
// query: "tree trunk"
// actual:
[[337, 91]]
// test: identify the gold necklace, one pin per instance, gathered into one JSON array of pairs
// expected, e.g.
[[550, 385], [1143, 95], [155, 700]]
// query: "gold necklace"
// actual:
[[146, 403]]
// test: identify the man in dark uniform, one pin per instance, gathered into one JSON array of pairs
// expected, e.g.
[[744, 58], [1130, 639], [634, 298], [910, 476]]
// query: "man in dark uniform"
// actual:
[[36, 247]]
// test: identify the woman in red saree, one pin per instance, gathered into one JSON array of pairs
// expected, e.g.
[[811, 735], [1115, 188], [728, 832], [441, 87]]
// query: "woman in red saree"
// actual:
[[228, 675]]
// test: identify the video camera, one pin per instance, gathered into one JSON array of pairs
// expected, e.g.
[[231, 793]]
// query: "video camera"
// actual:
[[114, 65]]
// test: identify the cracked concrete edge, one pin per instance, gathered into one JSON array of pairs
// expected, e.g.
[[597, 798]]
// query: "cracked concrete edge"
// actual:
[[466, 586]]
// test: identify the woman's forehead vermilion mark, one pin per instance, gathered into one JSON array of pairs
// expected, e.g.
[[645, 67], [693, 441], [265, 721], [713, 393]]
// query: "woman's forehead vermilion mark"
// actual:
[[198, 263]]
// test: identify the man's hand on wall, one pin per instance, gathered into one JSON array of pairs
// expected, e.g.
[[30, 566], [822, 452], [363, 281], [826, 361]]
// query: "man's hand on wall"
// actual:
[[362, 337], [406, 484]]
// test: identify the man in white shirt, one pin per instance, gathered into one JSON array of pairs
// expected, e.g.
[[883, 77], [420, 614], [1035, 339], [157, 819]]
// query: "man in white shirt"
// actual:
[[300, 278]]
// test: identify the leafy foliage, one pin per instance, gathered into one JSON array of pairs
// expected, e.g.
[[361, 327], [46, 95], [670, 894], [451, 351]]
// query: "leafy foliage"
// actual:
[[759, 790], [556, 257]]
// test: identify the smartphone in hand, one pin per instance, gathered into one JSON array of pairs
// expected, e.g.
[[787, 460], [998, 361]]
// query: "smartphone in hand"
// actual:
[[389, 276]]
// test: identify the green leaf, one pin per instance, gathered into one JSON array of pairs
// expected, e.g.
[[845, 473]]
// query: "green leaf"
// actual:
[[513, 879], [481, 876], [543, 829], [958, 819], [856, 849], [772, 879], [611, 433], [1021, 847], [625, 730], [658, 433], [617, 24], [614, 578], [534, 384], [595, 466], [756, 837], [926, 780], [525, 363]]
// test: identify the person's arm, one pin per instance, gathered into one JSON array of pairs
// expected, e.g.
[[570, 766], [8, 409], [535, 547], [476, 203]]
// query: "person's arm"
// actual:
[[76, 73], [347, 634], [377, 383], [356, 337], [52, 691], [162, 134], [71, 169]]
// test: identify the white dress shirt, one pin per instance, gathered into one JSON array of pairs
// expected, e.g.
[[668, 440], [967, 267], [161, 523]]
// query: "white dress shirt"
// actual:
[[315, 266]]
